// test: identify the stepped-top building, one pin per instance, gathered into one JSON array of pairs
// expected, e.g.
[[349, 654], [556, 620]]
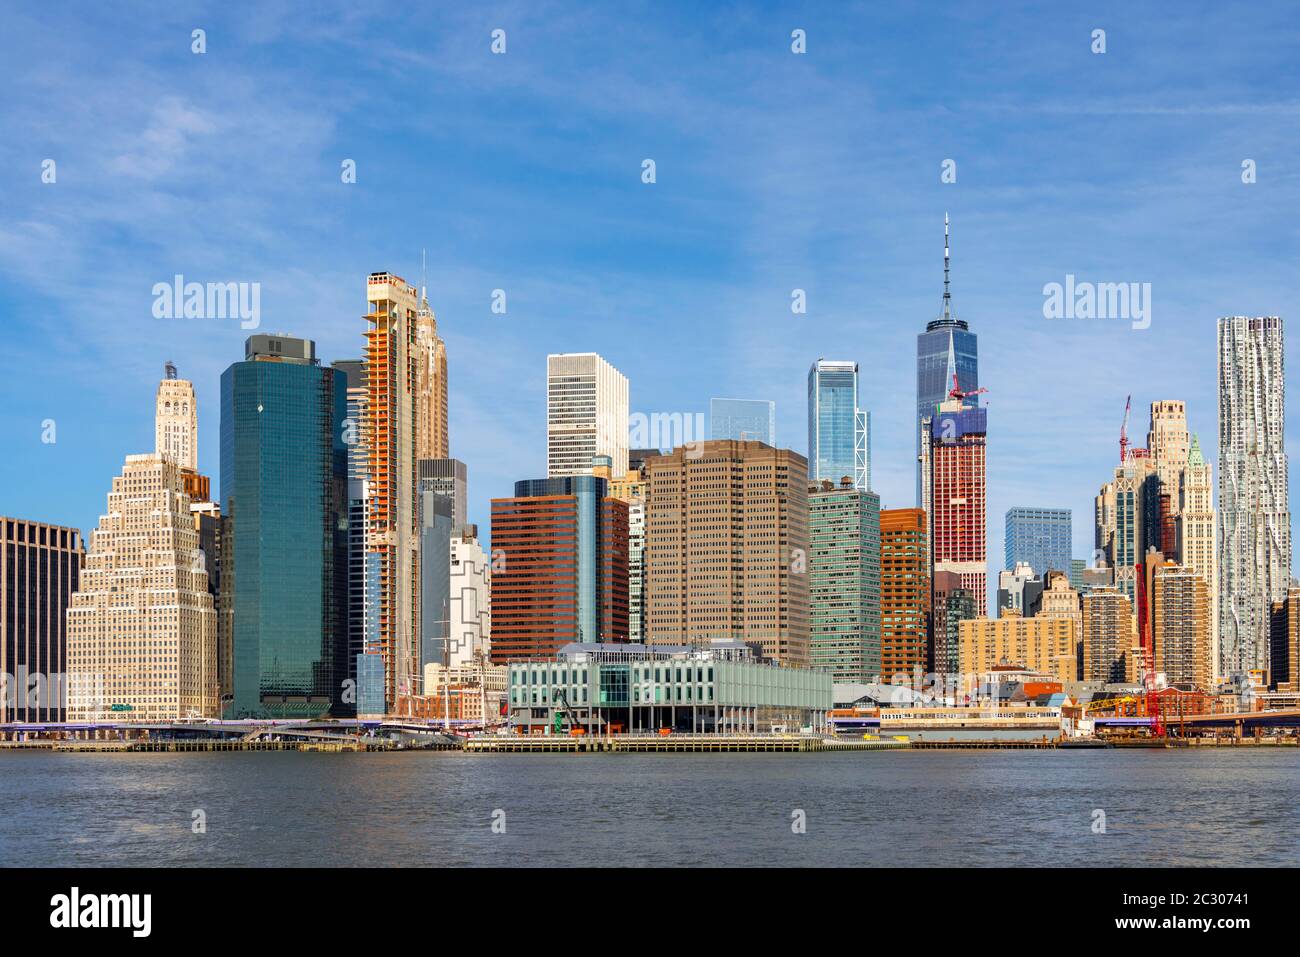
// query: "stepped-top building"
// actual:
[[141, 627]]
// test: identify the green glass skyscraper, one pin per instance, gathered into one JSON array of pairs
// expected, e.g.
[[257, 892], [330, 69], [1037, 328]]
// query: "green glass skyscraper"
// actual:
[[284, 497], [844, 580]]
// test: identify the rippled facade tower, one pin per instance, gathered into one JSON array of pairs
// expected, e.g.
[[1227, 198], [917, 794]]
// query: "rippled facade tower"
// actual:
[[1254, 514]]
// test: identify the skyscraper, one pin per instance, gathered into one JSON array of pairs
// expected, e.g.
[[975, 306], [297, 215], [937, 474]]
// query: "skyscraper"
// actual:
[[284, 497], [631, 488], [905, 599], [447, 478], [1040, 537], [957, 495], [743, 419], [586, 414], [726, 548], [1197, 535], [839, 433], [951, 604], [946, 349], [470, 628], [1126, 519], [392, 534], [358, 466], [1254, 514], [1110, 642], [142, 632], [560, 567], [844, 581], [40, 568], [176, 421], [430, 356], [1180, 630]]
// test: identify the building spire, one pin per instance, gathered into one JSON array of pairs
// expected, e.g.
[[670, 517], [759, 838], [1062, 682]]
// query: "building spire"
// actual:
[[947, 296]]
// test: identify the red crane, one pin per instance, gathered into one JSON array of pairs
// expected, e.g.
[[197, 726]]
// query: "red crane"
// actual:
[[1123, 431], [956, 393]]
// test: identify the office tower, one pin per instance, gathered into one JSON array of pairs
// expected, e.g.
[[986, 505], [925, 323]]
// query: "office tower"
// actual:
[[40, 568], [726, 548], [176, 431], [284, 497], [957, 495], [1284, 657], [1254, 516], [447, 478], [176, 420], [559, 567], [1040, 537], [1109, 637], [637, 458], [436, 526], [430, 359], [358, 468], [743, 420], [586, 414], [905, 599], [1019, 590], [946, 349], [844, 580], [1048, 645], [839, 433], [630, 488], [142, 632], [1077, 567], [1196, 532], [470, 628], [392, 530], [951, 604], [1180, 630], [214, 534], [1168, 444], [1060, 599], [1126, 511]]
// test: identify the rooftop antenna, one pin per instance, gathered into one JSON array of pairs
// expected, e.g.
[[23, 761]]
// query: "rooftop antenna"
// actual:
[[947, 296], [169, 369], [424, 279]]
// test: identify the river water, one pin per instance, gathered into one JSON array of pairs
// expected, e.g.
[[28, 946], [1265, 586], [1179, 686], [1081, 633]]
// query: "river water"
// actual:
[[1204, 806]]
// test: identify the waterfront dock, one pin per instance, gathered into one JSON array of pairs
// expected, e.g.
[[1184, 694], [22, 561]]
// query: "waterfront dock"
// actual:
[[671, 744]]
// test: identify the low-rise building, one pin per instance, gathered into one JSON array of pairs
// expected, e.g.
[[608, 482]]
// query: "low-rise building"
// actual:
[[630, 688]]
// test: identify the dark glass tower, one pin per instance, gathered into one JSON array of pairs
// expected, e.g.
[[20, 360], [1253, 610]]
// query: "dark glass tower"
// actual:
[[284, 493], [947, 347]]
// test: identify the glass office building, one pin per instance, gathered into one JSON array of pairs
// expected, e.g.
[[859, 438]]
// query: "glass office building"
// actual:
[[284, 493], [1039, 537], [838, 431], [946, 348], [742, 419]]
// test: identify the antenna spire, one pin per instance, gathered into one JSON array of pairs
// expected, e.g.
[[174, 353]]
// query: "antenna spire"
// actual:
[[947, 296]]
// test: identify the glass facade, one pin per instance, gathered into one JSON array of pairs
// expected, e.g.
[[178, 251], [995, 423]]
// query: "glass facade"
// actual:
[[1040, 537], [590, 492], [946, 346], [836, 427], [284, 488], [740, 419]]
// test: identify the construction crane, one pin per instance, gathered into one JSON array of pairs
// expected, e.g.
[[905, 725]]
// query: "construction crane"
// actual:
[[956, 393], [1123, 431], [574, 727]]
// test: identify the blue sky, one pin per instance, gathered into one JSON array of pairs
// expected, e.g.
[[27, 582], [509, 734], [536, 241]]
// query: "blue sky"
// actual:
[[521, 171]]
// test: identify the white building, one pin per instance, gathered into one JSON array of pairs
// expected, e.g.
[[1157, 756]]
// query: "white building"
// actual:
[[1254, 516], [176, 421], [469, 609], [586, 414], [142, 629]]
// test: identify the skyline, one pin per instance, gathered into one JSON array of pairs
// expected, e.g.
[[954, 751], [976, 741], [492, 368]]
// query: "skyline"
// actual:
[[772, 175]]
